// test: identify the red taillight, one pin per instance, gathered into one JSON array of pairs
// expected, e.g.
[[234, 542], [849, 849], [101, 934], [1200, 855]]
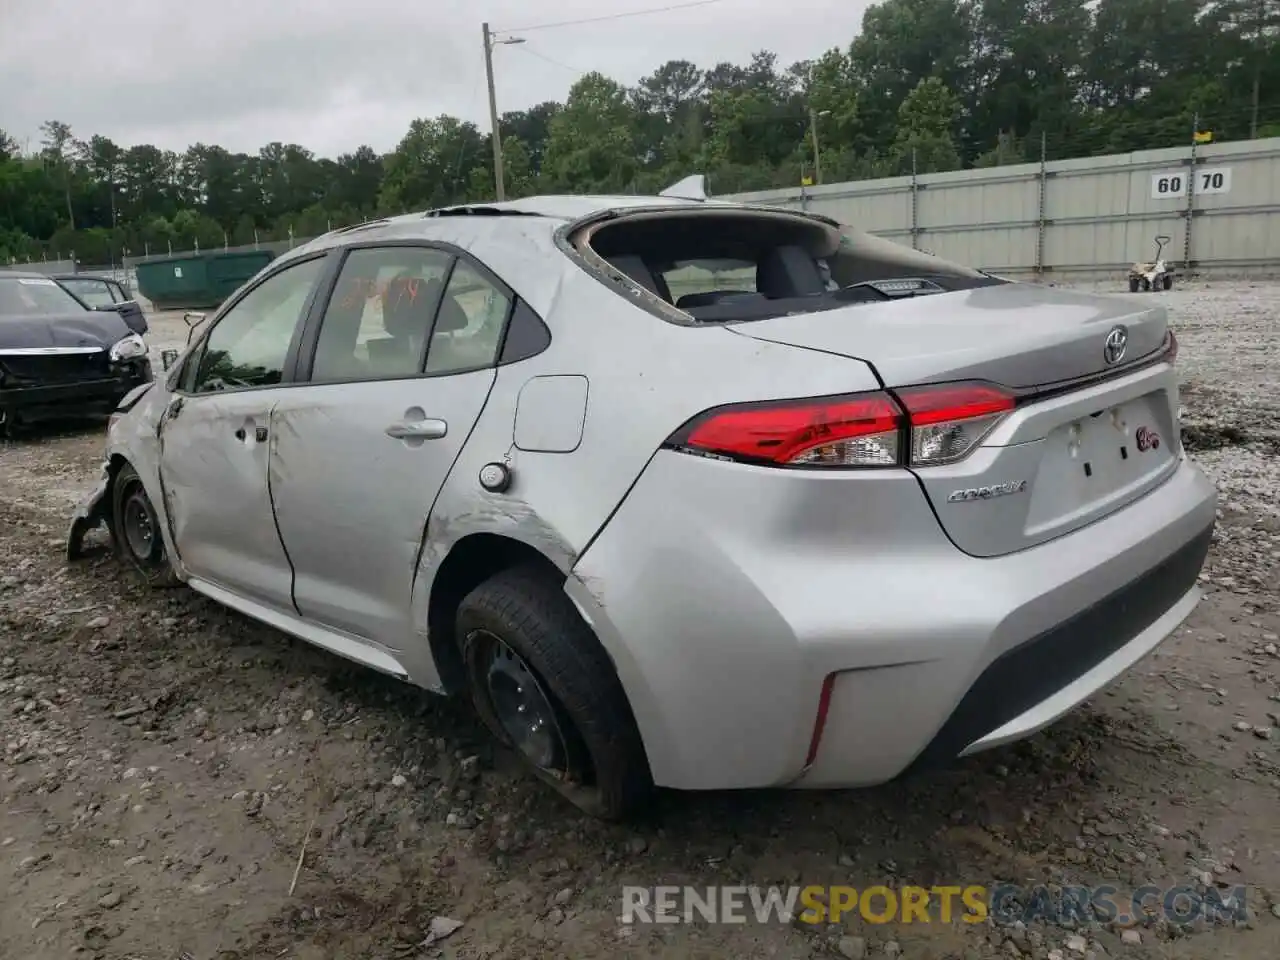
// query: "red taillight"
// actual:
[[950, 419], [856, 430], [916, 426], [820, 720]]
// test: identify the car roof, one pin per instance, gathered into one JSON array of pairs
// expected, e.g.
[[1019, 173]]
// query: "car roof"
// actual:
[[24, 275], [570, 207], [559, 208]]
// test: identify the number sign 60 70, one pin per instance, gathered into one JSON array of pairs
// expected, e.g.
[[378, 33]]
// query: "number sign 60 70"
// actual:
[[1166, 186]]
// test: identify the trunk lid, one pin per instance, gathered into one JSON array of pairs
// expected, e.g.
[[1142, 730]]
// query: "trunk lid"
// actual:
[[1016, 334], [1054, 464]]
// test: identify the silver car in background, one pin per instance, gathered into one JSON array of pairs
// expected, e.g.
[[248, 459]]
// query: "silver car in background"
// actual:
[[681, 492]]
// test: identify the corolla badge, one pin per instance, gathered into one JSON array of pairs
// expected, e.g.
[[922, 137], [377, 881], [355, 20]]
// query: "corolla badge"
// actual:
[[1115, 345], [987, 493], [1147, 439]]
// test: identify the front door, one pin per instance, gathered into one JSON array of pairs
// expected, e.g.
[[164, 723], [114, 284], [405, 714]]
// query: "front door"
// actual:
[[215, 442], [403, 364]]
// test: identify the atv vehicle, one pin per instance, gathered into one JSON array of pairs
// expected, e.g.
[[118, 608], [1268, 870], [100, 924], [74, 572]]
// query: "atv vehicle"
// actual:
[[1157, 275]]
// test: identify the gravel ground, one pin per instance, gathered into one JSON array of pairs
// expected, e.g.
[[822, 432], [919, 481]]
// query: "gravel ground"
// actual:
[[165, 766]]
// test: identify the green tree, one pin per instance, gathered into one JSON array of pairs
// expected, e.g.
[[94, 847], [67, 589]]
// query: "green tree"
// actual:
[[926, 121], [591, 142], [59, 150], [430, 166]]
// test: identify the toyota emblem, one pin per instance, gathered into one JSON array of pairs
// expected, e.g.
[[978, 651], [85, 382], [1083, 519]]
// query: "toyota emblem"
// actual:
[[1115, 345]]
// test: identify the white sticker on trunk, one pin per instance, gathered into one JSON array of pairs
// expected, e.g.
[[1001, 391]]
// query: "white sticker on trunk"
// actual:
[[37, 281]]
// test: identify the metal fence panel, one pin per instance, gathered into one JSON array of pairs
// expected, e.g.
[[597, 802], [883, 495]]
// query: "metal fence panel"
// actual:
[[1218, 203]]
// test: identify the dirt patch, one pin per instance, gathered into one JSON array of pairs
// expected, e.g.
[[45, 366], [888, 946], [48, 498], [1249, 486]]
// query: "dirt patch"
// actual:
[[163, 764]]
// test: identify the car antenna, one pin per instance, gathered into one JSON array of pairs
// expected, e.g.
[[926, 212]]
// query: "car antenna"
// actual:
[[690, 188]]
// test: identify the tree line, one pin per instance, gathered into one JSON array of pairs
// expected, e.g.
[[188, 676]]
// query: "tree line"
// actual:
[[927, 85]]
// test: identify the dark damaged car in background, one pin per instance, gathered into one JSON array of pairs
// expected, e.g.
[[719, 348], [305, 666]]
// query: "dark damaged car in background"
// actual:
[[60, 357]]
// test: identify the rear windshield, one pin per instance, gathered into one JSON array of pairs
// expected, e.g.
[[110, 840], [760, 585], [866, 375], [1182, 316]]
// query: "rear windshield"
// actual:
[[35, 297], [724, 266]]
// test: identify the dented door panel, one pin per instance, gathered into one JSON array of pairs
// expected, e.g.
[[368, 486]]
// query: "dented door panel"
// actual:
[[214, 457], [355, 470]]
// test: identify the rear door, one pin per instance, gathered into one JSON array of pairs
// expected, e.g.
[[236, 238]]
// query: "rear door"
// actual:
[[215, 440], [401, 364]]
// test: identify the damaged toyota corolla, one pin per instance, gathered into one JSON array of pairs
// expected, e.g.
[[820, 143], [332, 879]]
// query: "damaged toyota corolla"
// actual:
[[680, 492]]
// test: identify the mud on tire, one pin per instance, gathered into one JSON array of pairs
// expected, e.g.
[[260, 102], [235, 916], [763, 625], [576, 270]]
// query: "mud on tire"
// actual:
[[527, 652], [135, 530]]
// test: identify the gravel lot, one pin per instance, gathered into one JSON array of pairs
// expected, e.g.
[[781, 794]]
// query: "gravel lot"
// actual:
[[165, 766]]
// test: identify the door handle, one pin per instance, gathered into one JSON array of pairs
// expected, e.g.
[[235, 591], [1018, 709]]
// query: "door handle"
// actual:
[[428, 429], [259, 434]]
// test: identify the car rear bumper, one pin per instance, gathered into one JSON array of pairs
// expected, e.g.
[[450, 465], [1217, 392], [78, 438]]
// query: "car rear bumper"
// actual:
[[728, 606]]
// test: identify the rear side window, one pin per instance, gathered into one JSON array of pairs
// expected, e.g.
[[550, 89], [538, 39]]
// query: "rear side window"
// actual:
[[380, 314], [468, 331]]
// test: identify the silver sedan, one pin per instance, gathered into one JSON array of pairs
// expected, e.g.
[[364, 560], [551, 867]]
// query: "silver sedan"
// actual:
[[680, 492]]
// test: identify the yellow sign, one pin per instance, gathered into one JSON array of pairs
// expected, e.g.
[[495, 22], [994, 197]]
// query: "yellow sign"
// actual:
[[1204, 136], [806, 181]]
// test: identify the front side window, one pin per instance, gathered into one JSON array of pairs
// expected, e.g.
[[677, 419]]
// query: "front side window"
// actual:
[[470, 322], [379, 317], [96, 293], [250, 344]]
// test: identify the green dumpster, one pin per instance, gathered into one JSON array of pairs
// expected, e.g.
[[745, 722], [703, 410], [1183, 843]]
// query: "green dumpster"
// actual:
[[198, 280]]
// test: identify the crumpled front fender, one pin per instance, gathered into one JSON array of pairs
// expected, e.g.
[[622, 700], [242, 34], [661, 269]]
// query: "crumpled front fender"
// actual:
[[90, 514]]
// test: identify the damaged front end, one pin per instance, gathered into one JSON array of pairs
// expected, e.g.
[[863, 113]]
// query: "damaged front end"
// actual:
[[91, 513]]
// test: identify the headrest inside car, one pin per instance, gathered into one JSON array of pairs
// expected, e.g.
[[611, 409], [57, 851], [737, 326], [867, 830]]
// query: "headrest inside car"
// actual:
[[407, 304], [788, 271], [634, 267], [451, 316]]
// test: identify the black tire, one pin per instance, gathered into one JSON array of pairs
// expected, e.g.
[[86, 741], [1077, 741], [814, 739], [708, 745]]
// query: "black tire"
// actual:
[[1167, 281], [1133, 284], [602, 766], [10, 425], [131, 511]]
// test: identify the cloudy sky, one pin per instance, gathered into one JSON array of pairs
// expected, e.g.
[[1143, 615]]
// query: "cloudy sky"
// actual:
[[332, 74]]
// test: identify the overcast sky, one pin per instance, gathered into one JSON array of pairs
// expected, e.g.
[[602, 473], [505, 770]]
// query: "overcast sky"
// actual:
[[333, 74]]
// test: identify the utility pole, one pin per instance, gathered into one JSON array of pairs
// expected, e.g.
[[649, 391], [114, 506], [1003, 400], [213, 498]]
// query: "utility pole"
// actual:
[[817, 155], [498, 183]]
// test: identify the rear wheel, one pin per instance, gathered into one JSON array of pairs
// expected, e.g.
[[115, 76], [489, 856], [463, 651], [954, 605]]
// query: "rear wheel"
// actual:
[[544, 686], [135, 530], [1133, 284], [1167, 281]]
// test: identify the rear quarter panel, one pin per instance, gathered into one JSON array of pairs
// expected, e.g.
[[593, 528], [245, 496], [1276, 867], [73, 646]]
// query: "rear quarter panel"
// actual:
[[646, 377]]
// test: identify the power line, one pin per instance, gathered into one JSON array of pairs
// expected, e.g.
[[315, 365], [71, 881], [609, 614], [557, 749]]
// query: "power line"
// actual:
[[611, 16], [554, 63]]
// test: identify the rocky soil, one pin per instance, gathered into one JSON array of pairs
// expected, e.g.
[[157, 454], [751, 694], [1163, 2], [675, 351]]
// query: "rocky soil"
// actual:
[[179, 782]]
